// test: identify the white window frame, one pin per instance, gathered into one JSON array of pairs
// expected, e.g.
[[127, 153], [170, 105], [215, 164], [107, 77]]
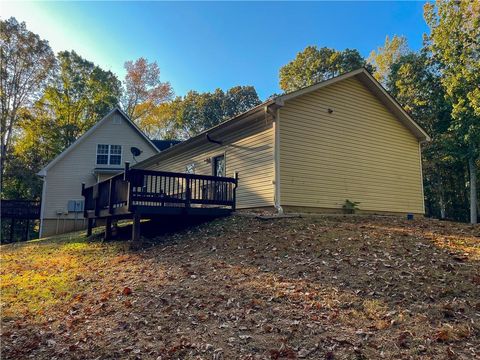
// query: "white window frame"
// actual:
[[212, 161], [109, 154]]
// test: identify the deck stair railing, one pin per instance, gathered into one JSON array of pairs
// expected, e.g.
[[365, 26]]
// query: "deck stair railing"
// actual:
[[20, 209]]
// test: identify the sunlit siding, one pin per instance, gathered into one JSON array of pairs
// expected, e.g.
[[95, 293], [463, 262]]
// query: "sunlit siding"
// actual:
[[248, 151], [359, 152]]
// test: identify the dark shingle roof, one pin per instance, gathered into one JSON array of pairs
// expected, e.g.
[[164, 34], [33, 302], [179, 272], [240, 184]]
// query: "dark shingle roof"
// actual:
[[164, 144]]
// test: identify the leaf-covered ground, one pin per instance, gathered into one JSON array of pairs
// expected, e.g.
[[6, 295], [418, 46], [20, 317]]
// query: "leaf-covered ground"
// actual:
[[248, 288]]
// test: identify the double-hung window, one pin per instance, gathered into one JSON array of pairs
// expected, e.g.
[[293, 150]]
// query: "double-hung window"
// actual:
[[115, 154], [109, 154]]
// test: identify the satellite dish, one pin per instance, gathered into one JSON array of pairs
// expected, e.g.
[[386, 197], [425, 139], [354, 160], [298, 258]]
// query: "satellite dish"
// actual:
[[135, 151]]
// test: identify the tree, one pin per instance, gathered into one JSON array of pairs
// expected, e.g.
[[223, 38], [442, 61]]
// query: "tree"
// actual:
[[313, 65], [26, 62], [80, 96], [186, 116], [199, 111], [239, 99], [415, 83], [143, 90], [386, 55], [454, 42]]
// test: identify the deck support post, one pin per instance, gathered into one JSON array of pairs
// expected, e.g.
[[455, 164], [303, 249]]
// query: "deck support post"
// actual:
[[136, 228], [188, 192], [234, 197], [12, 229], [89, 227], [27, 230], [108, 228]]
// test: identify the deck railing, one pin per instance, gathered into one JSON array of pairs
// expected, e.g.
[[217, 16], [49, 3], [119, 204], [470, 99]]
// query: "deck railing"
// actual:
[[20, 209], [135, 188]]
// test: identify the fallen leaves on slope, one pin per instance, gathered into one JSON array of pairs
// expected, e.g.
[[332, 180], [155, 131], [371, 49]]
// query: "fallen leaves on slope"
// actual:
[[309, 288]]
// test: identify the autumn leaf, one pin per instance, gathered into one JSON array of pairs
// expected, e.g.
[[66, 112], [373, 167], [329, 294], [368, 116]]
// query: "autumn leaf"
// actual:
[[127, 291]]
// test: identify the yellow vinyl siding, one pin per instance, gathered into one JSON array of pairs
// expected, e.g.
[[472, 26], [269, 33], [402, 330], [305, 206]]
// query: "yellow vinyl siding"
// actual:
[[248, 151], [360, 152]]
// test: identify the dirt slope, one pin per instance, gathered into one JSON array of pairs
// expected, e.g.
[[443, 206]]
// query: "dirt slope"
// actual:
[[314, 288]]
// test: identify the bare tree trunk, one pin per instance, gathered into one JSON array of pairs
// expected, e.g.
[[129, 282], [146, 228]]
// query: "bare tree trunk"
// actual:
[[473, 190]]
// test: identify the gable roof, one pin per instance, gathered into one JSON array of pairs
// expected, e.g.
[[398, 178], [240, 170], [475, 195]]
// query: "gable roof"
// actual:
[[90, 131], [361, 74]]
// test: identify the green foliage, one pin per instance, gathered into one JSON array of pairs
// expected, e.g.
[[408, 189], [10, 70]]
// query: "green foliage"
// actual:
[[455, 47], [415, 83], [82, 94], [79, 94], [189, 115], [386, 55], [313, 65], [350, 207], [424, 84], [26, 62]]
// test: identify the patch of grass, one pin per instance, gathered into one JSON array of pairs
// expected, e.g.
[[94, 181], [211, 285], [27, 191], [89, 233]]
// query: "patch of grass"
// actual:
[[37, 275], [374, 309]]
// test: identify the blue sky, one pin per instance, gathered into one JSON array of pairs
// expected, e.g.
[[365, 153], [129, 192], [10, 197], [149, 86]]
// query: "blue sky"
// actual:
[[206, 45]]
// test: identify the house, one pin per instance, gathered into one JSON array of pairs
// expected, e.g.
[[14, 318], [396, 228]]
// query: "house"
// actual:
[[98, 154], [312, 149]]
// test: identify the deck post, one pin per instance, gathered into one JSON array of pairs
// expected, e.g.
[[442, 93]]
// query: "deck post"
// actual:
[[12, 229], [188, 191], [136, 228], [108, 228], [84, 201], [89, 226], [96, 208], [27, 230], [110, 196], [234, 206], [125, 171], [126, 177]]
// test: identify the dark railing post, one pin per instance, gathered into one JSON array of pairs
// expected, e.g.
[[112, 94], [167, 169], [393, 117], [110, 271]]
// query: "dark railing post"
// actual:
[[110, 196], [125, 172], [234, 205], [126, 177], [84, 201], [188, 192], [96, 208]]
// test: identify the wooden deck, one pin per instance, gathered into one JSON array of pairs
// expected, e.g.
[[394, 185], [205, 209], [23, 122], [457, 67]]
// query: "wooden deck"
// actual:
[[138, 194]]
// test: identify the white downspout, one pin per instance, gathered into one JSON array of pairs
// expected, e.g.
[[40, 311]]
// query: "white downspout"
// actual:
[[42, 204], [276, 154]]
